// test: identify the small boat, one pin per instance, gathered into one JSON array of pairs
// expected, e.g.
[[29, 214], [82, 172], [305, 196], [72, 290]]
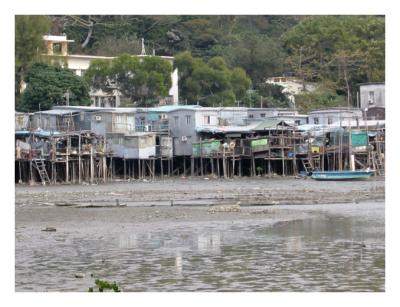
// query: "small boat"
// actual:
[[342, 175]]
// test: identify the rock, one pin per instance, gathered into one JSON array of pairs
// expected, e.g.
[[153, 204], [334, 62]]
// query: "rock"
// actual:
[[49, 229], [79, 275]]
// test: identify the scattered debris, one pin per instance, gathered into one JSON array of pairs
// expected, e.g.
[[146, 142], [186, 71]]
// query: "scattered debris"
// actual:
[[116, 194], [263, 211], [49, 229], [233, 208], [79, 275]]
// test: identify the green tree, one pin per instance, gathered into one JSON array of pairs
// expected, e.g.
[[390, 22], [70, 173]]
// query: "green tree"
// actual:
[[240, 83], [345, 49], [47, 85], [324, 96], [29, 31], [141, 80], [259, 55], [210, 83]]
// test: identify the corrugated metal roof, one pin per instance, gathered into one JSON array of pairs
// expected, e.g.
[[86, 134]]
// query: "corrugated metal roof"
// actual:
[[172, 108], [335, 110], [270, 124], [227, 129], [81, 108], [38, 132], [57, 112]]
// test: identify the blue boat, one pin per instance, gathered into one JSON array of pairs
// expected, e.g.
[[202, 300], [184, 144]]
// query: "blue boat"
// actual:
[[342, 175]]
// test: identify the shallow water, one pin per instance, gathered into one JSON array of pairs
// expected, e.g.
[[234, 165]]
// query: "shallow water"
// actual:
[[329, 248]]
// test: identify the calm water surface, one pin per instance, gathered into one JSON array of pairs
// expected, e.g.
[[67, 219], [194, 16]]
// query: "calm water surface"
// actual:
[[333, 248]]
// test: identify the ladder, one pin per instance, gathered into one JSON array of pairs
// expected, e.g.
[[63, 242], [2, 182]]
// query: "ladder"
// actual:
[[378, 163], [307, 165], [41, 168]]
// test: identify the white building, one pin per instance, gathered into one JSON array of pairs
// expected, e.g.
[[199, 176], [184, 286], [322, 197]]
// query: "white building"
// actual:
[[291, 86], [57, 48], [372, 95], [334, 116]]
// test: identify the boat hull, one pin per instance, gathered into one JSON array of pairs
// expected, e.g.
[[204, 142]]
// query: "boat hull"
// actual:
[[342, 175]]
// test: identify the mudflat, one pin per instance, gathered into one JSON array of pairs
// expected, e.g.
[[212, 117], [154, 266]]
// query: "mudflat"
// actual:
[[203, 191]]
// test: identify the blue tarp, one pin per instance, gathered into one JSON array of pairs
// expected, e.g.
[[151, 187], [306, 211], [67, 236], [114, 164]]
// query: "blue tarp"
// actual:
[[39, 132]]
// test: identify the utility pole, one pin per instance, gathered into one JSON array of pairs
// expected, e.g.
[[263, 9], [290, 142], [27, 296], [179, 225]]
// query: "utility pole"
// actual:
[[143, 49]]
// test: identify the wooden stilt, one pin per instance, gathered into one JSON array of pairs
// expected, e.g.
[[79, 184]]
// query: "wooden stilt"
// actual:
[[66, 168], [30, 172], [91, 165], [19, 171], [224, 167], [201, 166], [104, 169], [253, 165], [154, 167], [79, 159], [124, 169]]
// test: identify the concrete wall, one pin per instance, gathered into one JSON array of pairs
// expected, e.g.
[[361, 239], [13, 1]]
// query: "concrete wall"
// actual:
[[182, 125], [101, 122], [139, 146], [372, 95], [331, 116], [22, 121], [233, 116], [202, 117]]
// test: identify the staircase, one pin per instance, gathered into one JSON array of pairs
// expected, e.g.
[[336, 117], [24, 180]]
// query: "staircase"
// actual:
[[41, 168]]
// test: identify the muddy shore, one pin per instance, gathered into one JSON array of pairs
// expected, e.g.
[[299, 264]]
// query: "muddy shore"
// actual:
[[193, 235], [203, 192]]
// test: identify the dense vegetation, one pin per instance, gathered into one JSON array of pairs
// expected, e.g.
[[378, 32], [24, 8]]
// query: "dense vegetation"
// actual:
[[140, 81], [49, 85], [338, 52]]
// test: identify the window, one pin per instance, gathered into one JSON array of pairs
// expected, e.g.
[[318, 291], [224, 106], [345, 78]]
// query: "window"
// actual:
[[262, 115], [188, 119], [297, 122], [176, 120], [251, 116], [329, 120], [82, 116], [371, 97], [207, 120], [316, 120]]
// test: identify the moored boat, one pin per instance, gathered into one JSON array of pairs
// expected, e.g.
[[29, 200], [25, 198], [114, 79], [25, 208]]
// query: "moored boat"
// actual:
[[342, 175]]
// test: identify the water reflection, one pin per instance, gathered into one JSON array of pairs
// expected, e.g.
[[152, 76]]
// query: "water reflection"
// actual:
[[210, 242], [178, 264], [328, 251]]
